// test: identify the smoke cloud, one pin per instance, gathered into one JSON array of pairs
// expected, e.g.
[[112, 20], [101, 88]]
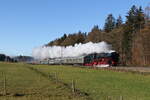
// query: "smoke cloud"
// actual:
[[71, 51]]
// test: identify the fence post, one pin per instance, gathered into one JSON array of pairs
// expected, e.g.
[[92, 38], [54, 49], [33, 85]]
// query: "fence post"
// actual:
[[121, 98], [49, 75], [73, 86], [56, 77], [4, 83], [109, 98]]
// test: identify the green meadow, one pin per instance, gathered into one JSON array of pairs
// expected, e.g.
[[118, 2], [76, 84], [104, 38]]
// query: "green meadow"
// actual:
[[18, 82], [60, 82]]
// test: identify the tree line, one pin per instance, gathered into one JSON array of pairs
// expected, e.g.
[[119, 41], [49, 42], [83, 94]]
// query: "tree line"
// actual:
[[5, 58], [131, 38]]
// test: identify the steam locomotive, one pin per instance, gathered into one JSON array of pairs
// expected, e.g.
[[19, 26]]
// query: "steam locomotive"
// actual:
[[94, 59], [102, 59]]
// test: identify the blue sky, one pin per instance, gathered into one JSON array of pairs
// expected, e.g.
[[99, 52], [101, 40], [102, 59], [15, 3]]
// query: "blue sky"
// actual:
[[26, 24]]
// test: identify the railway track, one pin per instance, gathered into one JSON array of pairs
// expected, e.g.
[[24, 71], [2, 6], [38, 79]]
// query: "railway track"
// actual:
[[138, 70]]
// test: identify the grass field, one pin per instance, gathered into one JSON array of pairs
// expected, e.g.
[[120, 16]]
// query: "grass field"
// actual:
[[22, 83], [31, 81], [102, 84]]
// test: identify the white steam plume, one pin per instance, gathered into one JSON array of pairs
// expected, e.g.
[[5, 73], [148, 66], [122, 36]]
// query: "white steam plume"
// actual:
[[70, 51]]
